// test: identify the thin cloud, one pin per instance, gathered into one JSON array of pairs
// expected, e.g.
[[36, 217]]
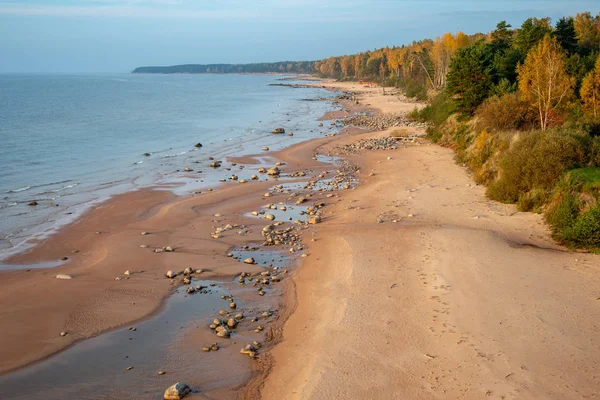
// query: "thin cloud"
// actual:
[[120, 10]]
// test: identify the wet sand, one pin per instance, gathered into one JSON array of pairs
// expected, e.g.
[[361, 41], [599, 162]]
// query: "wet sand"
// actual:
[[106, 242], [461, 297]]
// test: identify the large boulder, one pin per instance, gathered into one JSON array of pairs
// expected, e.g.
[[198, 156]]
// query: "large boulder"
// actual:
[[177, 392]]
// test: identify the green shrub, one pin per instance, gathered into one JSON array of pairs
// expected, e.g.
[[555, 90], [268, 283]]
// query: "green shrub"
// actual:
[[586, 230], [536, 161], [434, 134], [506, 113], [435, 113], [562, 214], [533, 200], [414, 89]]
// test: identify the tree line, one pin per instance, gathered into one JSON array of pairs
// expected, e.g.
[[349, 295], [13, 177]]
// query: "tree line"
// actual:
[[283, 67], [551, 67]]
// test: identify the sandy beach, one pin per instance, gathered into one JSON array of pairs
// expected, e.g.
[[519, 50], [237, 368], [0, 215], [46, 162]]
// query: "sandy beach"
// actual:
[[415, 286], [460, 297]]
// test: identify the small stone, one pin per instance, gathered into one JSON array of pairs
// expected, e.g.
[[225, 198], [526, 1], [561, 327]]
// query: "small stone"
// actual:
[[161, 372], [232, 305], [63, 276], [249, 350], [129, 368], [223, 333], [171, 274], [315, 219], [265, 148], [169, 249], [128, 272], [206, 348], [63, 333], [249, 260]]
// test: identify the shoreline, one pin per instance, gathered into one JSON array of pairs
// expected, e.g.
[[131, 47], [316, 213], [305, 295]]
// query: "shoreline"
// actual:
[[92, 244], [152, 161]]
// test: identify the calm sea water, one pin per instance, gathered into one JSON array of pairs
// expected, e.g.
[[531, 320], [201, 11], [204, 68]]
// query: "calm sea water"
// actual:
[[70, 141]]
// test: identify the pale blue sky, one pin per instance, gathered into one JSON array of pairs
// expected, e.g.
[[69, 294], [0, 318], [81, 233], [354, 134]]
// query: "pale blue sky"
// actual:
[[119, 35]]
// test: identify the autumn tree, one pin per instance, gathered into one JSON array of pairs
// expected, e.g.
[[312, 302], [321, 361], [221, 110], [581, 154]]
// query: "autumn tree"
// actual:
[[543, 81], [590, 92], [347, 66], [587, 29]]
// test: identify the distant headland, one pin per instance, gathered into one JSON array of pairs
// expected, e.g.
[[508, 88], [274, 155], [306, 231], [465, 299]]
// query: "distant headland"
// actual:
[[296, 67]]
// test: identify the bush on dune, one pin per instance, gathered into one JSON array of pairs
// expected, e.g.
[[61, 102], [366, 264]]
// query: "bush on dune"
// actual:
[[574, 212], [506, 113], [536, 162]]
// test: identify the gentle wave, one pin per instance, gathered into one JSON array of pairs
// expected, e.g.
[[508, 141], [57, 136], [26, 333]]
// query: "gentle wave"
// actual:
[[65, 188], [19, 189]]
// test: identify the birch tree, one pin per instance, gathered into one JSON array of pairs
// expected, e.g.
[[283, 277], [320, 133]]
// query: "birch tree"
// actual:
[[543, 81]]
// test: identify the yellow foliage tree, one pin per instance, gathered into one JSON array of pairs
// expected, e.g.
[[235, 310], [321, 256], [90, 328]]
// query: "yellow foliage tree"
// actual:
[[543, 81], [590, 92], [442, 51], [587, 29]]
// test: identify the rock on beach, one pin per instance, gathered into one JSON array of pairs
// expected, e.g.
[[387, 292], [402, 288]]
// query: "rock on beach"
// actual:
[[177, 392]]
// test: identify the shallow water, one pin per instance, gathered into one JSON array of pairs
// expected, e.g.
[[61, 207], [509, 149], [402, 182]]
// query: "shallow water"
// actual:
[[291, 214], [71, 141], [97, 368], [264, 256]]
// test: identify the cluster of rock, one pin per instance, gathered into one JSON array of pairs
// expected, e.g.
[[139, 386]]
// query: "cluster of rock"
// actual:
[[383, 143], [218, 233], [186, 278], [226, 324], [277, 237], [380, 121]]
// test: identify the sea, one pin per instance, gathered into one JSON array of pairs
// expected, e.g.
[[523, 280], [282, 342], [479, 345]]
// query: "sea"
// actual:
[[69, 142]]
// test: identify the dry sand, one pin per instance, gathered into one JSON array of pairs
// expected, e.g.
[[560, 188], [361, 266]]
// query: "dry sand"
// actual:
[[466, 299]]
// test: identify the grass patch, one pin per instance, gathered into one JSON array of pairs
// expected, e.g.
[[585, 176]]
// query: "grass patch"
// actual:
[[590, 177], [400, 133]]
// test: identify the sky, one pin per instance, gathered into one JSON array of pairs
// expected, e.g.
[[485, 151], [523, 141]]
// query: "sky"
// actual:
[[118, 35]]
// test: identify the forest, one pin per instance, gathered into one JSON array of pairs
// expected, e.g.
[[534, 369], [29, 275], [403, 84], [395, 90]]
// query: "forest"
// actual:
[[292, 67], [521, 108]]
